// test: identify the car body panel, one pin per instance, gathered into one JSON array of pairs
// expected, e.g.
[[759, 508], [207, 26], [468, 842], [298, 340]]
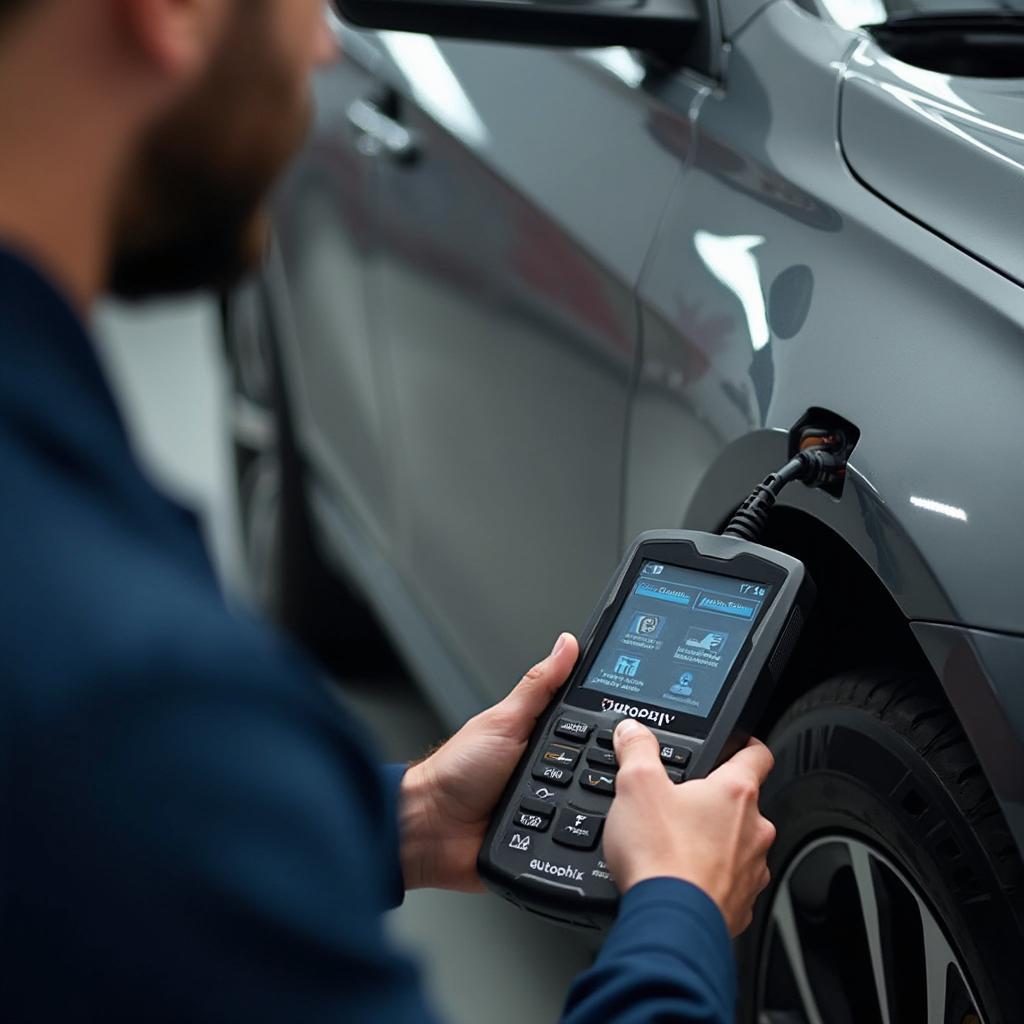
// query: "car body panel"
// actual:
[[767, 340], [503, 302], [949, 151], [741, 338], [325, 237]]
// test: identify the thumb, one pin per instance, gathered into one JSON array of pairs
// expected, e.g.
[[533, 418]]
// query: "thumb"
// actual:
[[635, 744], [534, 691]]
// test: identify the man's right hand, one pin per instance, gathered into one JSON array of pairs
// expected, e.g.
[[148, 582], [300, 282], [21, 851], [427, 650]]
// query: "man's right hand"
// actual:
[[708, 831]]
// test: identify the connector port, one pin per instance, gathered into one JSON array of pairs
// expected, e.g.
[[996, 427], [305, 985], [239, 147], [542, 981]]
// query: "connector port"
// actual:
[[821, 428]]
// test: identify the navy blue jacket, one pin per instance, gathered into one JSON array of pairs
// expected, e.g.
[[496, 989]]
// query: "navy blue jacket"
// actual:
[[191, 828]]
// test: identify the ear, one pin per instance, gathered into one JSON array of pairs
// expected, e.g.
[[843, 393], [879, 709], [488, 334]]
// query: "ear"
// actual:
[[175, 37]]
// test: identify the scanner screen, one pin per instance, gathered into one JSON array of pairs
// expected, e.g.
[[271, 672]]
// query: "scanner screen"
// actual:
[[677, 637]]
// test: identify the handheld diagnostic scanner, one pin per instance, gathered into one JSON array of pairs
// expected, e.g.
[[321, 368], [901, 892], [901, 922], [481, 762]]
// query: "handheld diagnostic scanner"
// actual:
[[689, 639]]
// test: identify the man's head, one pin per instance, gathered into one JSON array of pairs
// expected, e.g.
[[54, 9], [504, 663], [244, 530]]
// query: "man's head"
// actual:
[[216, 99], [194, 207]]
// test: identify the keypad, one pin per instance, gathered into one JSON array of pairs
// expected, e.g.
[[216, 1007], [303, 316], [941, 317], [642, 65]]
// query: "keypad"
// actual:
[[675, 775], [603, 738]]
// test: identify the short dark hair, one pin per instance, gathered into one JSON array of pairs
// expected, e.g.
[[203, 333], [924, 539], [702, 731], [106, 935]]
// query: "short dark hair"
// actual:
[[9, 8]]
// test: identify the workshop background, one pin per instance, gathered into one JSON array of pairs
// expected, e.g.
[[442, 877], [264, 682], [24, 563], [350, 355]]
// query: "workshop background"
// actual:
[[483, 959]]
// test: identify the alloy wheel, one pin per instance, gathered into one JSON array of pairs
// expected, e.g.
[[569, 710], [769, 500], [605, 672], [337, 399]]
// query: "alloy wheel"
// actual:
[[850, 939]]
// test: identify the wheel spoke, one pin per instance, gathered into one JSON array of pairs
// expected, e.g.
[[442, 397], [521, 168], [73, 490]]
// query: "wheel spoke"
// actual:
[[937, 958], [916, 972], [864, 877], [785, 922]]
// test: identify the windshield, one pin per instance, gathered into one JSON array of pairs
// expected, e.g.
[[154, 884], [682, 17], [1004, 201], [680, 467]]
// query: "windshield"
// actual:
[[854, 13]]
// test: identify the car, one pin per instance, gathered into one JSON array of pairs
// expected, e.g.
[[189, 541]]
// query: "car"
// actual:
[[527, 301]]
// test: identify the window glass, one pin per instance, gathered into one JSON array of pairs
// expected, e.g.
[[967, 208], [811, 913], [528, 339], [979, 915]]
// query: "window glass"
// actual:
[[854, 13]]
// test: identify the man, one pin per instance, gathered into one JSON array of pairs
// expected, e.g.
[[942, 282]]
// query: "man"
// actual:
[[190, 828]]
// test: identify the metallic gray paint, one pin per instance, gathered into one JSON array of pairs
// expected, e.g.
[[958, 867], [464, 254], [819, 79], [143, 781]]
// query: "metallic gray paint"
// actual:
[[600, 298], [902, 126]]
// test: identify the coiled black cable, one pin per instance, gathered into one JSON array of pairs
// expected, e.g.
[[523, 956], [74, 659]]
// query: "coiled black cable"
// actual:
[[815, 467]]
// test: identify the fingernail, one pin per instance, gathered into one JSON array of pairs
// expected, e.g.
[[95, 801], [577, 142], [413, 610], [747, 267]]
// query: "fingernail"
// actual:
[[627, 727], [559, 644]]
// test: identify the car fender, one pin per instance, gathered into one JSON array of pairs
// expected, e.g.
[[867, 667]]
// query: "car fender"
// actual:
[[978, 669]]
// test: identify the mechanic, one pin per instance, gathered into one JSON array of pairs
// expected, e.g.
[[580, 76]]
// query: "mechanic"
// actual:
[[191, 828]]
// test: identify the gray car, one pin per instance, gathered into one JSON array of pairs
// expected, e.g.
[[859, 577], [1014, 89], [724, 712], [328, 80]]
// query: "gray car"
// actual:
[[526, 302]]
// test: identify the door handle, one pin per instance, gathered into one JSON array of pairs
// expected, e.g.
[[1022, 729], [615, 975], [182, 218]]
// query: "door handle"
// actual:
[[380, 134]]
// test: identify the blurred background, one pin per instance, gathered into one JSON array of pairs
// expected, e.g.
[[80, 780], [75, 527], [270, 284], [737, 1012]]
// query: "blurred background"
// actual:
[[484, 960]]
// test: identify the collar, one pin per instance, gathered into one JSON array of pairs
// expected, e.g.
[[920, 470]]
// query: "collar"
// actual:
[[50, 369]]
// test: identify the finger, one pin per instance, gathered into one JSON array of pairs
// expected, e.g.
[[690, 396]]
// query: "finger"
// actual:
[[534, 691], [637, 748], [755, 758]]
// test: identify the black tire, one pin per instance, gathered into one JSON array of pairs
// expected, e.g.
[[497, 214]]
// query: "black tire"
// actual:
[[883, 815], [288, 576]]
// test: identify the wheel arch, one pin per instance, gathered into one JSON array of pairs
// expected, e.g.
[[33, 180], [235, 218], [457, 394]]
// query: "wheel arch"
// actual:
[[878, 601]]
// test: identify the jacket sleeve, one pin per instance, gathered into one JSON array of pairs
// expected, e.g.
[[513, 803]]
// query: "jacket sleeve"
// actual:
[[392, 775], [667, 958], [207, 838]]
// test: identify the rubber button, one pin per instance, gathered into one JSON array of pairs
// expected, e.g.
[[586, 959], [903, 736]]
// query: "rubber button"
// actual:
[[580, 831], [572, 729], [537, 806], [677, 757], [519, 840], [598, 781], [536, 822], [539, 791], [552, 773], [601, 758], [565, 757], [603, 738]]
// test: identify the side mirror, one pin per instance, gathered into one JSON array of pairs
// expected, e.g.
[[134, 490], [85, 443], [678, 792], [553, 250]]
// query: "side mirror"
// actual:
[[643, 24]]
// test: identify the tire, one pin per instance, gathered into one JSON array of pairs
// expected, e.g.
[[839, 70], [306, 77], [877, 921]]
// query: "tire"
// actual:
[[894, 877], [288, 575]]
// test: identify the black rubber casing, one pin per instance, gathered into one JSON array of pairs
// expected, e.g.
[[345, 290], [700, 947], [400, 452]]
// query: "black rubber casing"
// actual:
[[575, 886]]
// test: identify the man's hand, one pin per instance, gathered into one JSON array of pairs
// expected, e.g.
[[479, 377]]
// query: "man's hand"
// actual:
[[708, 831], [446, 800]]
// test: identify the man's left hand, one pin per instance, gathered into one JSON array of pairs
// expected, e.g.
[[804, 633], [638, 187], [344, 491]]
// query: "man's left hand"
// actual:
[[446, 801]]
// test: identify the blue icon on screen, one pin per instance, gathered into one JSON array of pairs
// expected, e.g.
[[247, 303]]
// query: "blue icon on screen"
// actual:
[[685, 685], [647, 626], [627, 666], [709, 640]]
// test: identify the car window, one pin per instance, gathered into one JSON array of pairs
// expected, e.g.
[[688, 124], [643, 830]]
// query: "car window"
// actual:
[[855, 13]]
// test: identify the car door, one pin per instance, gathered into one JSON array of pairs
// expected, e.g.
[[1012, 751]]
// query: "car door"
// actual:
[[326, 234], [520, 190]]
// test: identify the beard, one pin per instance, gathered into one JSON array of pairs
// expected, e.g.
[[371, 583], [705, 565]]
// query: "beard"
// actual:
[[194, 213], [197, 233]]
